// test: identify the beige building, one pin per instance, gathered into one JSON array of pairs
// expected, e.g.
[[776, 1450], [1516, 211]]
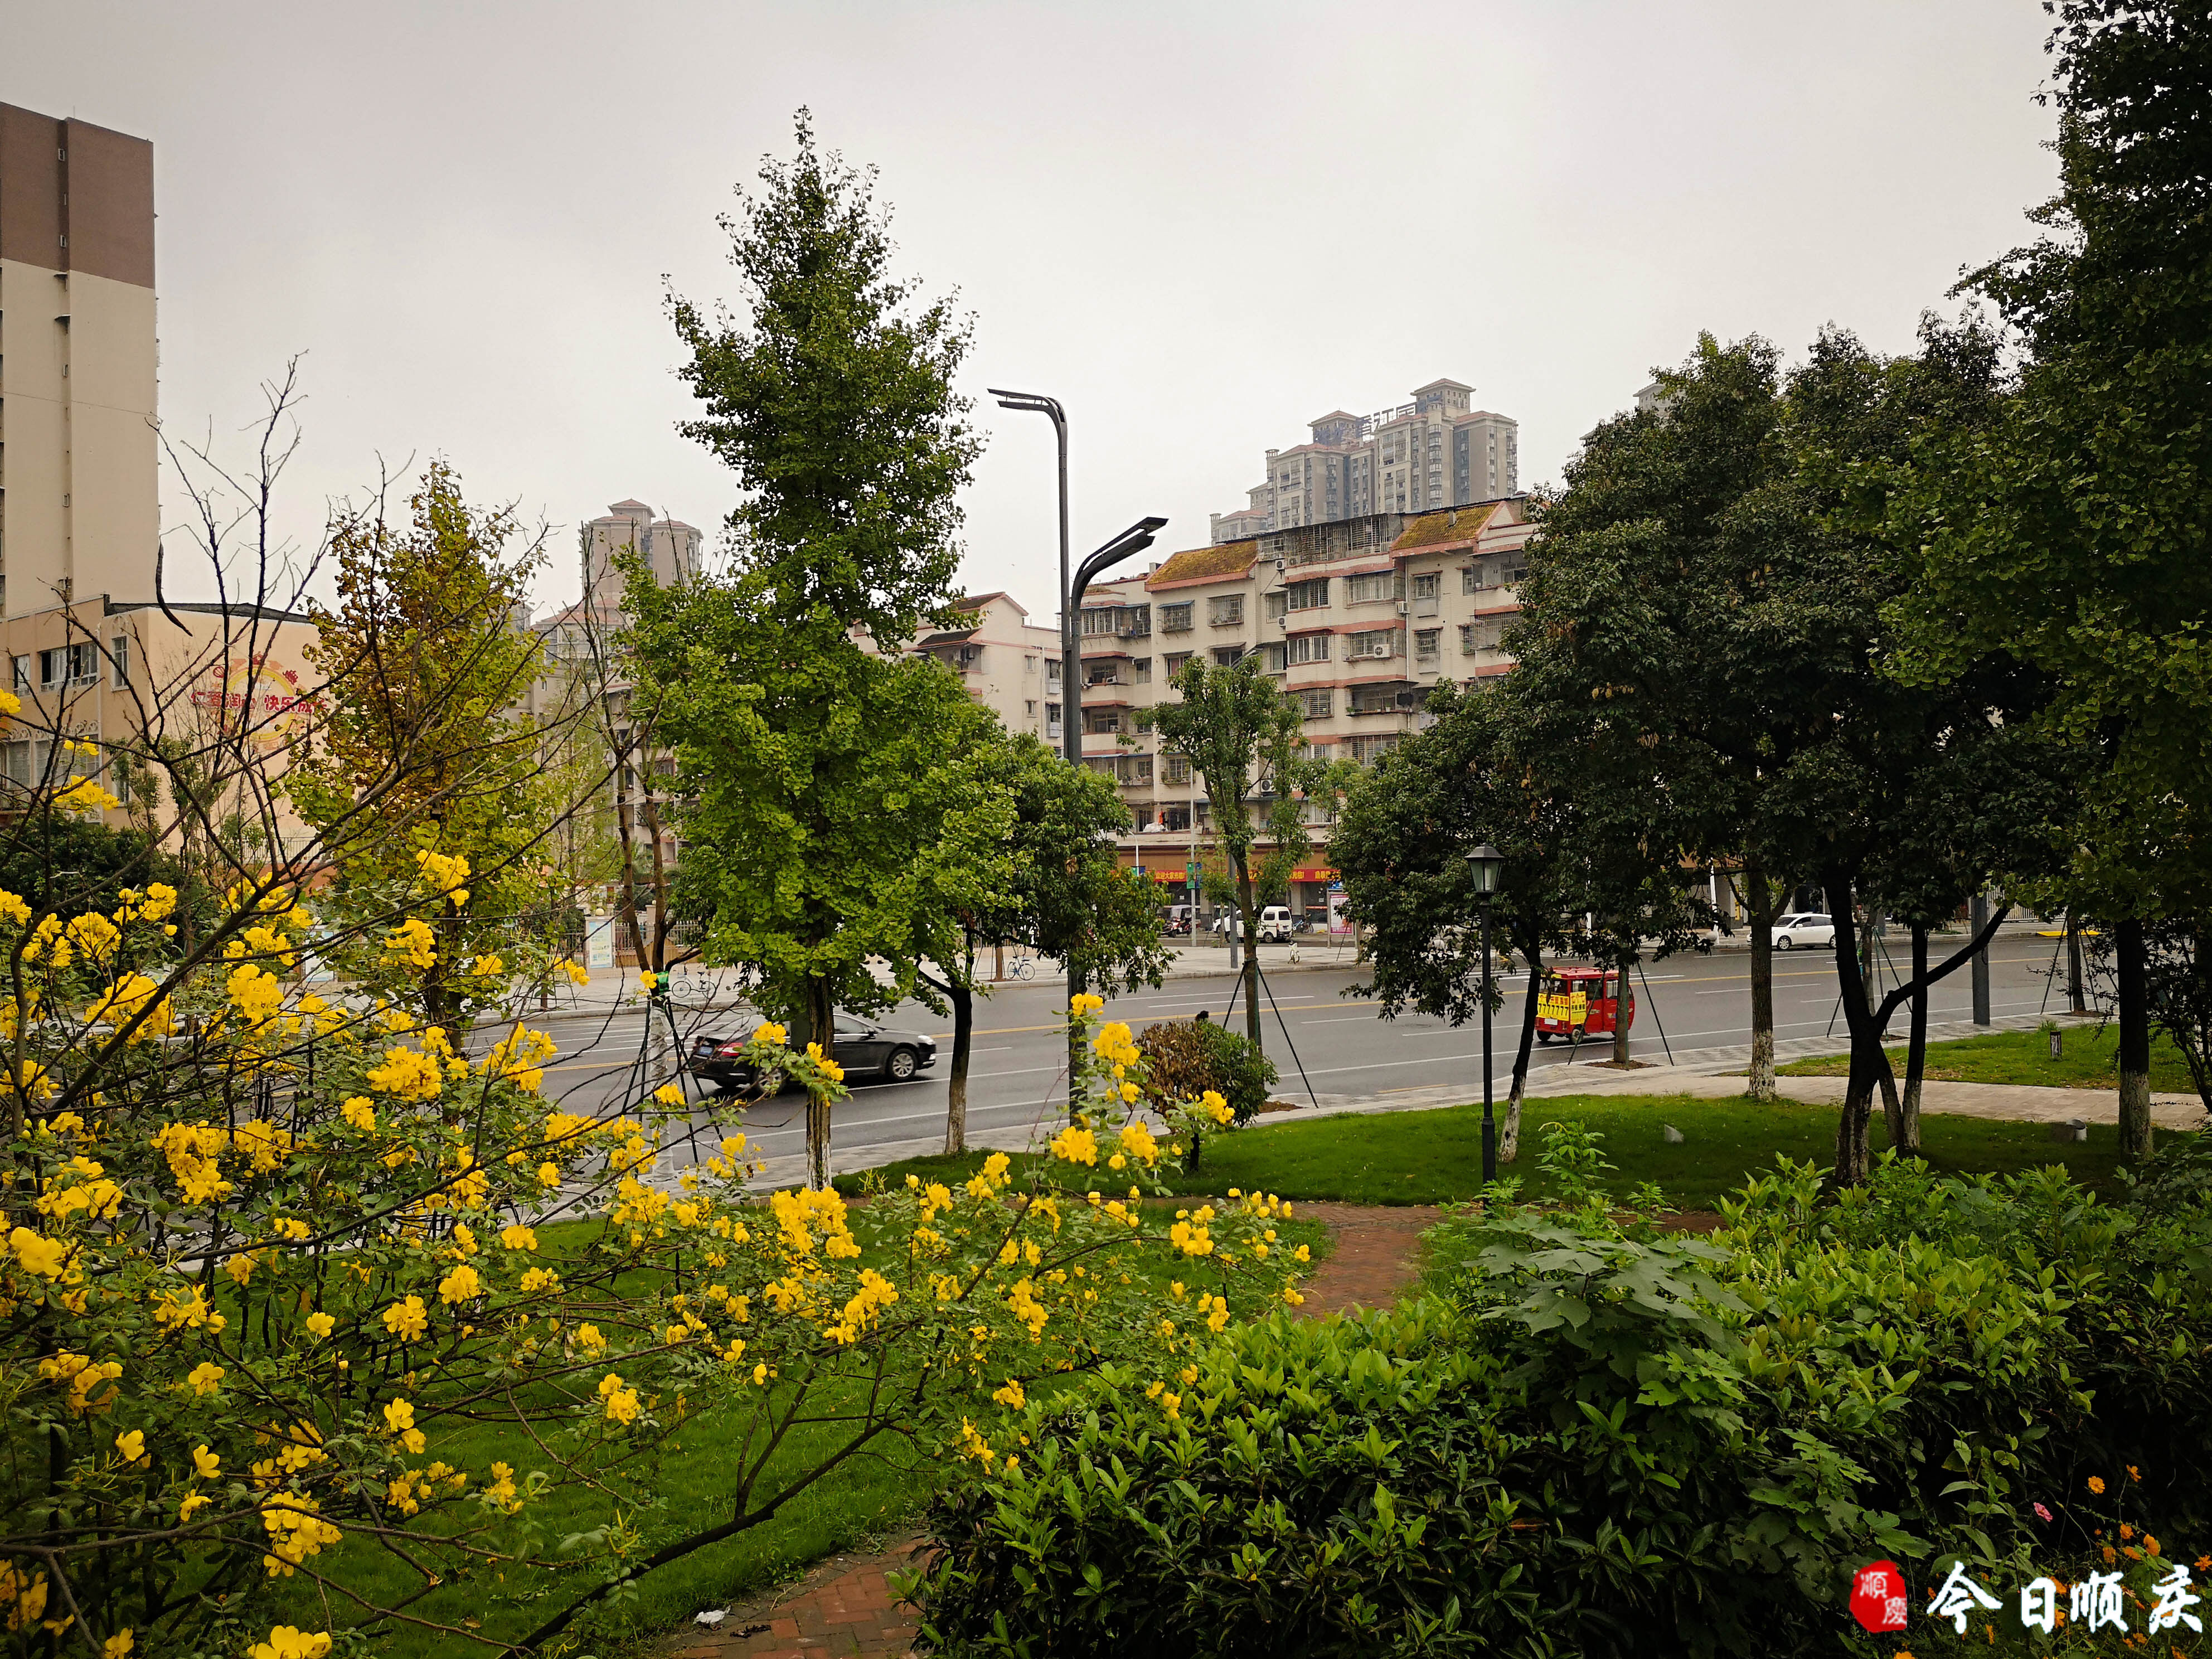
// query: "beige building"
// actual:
[[1356, 619], [1437, 450], [92, 650], [1008, 663], [669, 546], [79, 508]]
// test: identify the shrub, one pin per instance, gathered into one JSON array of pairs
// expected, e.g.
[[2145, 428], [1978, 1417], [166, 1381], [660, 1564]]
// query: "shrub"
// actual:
[[1186, 1058], [1599, 1439]]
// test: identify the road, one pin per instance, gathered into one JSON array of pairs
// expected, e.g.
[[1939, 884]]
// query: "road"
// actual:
[[1338, 1048]]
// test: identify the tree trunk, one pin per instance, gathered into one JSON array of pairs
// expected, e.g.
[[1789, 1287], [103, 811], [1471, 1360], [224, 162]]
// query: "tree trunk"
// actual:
[[956, 1090], [821, 1028], [1509, 1135], [1251, 949], [1620, 1010], [2135, 1039], [2076, 1002], [1905, 1133], [1853, 1155], [1763, 909]]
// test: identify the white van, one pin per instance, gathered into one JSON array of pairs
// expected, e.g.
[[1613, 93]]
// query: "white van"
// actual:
[[1275, 924]]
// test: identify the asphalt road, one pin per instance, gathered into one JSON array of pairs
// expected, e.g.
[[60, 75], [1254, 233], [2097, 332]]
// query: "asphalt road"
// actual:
[[1338, 1048]]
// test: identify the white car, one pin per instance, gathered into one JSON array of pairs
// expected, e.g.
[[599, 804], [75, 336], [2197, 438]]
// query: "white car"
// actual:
[[1803, 931], [1275, 924]]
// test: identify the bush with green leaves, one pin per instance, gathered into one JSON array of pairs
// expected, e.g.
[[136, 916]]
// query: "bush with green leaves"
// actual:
[[1593, 1438], [1185, 1058]]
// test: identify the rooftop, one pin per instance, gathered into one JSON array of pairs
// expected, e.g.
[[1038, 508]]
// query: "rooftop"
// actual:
[[1227, 559]]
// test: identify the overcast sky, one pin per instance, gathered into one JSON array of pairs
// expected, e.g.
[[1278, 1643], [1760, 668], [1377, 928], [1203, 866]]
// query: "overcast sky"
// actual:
[[1198, 225]]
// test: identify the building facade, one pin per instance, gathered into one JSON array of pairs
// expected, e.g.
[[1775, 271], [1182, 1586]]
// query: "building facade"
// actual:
[[1356, 619], [79, 467], [1008, 663], [1435, 451]]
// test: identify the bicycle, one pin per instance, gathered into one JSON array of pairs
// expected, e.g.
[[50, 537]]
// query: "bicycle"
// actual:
[[1022, 968]]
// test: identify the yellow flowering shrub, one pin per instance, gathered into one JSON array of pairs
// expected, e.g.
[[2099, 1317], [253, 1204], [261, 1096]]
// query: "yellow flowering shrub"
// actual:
[[260, 1274]]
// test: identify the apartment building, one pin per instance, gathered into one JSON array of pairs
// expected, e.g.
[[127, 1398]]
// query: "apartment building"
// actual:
[[1008, 663], [1435, 451], [1356, 618]]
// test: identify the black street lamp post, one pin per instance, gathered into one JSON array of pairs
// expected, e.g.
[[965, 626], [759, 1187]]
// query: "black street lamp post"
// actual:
[[1483, 865]]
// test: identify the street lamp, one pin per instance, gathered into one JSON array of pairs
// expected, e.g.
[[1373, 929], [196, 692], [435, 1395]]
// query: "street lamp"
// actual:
[[1483, 865]]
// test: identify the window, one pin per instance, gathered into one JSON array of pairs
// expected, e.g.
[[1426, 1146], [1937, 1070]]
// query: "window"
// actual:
[[1178, 771], [1308, 647], [1385, 699], [1378, 642], [118, 656], [1052, 715], [1028, 706], [1142, 668], [1470, 579], [1424, 644], [1480, 636], [1174, 817], [1101, 722], [1309, 595], [1502, 570], [1274, 604], [1424, 586], [1173, 662], [1317, 705], [1097, 619], [52, 665], [1028, 665], [1368, 749], [1365, 590], [84, 665], [1227, 656], [1317, 751], [1225, 610], [22, 666], [1270, 658], [971, 656], [1175, 618], [1052, 667]]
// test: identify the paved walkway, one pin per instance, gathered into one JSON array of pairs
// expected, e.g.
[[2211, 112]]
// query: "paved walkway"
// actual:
[[844, 1607]]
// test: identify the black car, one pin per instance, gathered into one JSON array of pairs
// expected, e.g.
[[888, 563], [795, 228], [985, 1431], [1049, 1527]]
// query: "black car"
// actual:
[[863, 1049]]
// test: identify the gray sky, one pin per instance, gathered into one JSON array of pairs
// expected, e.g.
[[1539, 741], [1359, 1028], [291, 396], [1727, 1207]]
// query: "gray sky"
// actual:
[[1198, 225]]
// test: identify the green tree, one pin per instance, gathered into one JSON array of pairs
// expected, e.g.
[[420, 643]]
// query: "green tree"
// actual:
[[1241, 735], [1406, 827], [1049, 881], [2075, 534], [420, 757], [820, 772]]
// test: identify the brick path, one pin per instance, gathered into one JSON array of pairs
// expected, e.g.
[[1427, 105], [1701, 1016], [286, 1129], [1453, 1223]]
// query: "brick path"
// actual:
[[843, 1607]]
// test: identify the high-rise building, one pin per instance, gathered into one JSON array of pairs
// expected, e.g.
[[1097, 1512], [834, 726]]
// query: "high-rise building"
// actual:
[[79, 498], [1434, 453], [669, 546]]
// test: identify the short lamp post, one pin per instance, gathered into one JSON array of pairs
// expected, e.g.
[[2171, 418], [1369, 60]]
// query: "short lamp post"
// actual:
[[1483, 865]]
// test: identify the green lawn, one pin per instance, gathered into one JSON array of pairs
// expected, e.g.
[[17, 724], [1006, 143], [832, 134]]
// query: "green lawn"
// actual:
[[1432, 1156], [865, 1497], [2025, 1057]]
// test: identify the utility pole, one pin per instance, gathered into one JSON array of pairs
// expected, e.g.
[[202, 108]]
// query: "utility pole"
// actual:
[[1977, 917]]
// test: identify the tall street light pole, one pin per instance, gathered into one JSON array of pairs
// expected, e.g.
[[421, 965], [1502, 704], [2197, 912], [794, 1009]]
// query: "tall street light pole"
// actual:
[[1483, 865]]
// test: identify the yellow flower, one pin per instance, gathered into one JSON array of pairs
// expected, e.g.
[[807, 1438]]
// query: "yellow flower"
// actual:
[[487, 967], [1085, 1004], [1012, 1395], [205, 1463], [320, 1325], [518, 1238], [2096, 1483], [407, 1320], [205, 1378], [772, 1034], [669, 1095], [39, 1254], [620, 1402], [549, 1175], [408, 1073], [118, 1645], [287, 1642], [360, 1111], [459, 1285], [577, 973], [132, 1446]]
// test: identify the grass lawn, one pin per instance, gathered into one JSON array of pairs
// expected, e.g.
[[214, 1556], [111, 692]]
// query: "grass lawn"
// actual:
[[869, 1496], [1432, 1156], [2025, 1057]]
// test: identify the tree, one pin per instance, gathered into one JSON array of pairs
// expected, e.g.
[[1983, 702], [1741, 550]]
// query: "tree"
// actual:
[[817, 768], [425, 661], [1049, 881], [1241, 733], [1401, 847], [2072, 536], [1656, 556]]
